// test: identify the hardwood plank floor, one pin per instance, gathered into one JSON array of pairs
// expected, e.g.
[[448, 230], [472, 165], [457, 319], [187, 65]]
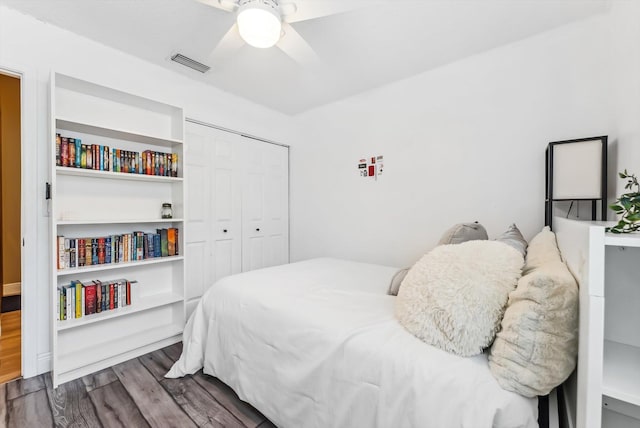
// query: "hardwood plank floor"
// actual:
[[132, 394], [10, 346]]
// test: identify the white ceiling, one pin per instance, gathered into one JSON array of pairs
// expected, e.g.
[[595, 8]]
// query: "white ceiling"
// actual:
[[376, 43]]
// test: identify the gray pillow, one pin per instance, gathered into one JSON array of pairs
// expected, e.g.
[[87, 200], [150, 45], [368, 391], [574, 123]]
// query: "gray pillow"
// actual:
[[514, 238], [396, 281], [463, 232]]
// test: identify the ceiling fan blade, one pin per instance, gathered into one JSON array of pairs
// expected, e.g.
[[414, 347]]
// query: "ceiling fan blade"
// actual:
[[230, 43], [297, 48], [303, 10], [226, 5]]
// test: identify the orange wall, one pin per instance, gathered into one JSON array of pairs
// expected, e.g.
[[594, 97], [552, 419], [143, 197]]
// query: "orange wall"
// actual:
[[10, 177]]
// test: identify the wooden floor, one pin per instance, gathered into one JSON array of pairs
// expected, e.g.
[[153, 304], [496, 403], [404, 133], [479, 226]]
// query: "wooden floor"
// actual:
[[10, 346], [132, 394]]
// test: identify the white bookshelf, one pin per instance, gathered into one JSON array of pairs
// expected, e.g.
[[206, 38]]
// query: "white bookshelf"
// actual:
[[621, 341], [621, 376], [87, 203]]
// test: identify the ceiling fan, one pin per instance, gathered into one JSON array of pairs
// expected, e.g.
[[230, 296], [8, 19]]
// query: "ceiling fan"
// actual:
[[267, 23]]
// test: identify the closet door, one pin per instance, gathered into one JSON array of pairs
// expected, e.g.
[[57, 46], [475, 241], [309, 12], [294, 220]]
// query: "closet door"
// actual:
[[226, 204], [265, 205], [198, 145], [215, 232]]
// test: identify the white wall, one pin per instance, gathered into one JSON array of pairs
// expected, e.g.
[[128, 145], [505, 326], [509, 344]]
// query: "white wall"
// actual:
[[624, 63], [463, 142], [34, 48]]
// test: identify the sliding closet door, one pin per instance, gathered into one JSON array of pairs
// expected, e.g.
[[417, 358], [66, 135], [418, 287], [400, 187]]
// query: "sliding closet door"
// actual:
[[265, 205]]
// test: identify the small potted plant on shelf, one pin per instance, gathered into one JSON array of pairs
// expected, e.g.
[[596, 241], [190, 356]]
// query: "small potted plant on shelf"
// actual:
[[627, 205]]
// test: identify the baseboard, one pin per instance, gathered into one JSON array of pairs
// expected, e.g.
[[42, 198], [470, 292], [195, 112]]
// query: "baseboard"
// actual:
[[43, 363], [13, 289]]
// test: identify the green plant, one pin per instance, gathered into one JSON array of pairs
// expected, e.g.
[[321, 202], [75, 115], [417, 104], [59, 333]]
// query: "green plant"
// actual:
[[627, 205]]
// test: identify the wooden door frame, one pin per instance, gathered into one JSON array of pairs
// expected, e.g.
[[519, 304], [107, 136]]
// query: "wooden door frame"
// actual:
[[28, 219]]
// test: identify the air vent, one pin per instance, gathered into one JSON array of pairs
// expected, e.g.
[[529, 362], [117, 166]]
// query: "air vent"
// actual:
[[191, 63]]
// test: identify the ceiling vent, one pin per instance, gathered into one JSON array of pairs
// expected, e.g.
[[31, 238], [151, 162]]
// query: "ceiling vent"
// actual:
[[191, 63]]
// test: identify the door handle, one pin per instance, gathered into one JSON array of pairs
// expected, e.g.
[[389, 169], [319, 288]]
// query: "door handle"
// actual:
[[257, 229], [224, 230]]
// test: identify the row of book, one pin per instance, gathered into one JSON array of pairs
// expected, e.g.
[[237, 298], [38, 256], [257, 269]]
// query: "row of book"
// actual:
[[71, 152], [134, 246], [75, 300]]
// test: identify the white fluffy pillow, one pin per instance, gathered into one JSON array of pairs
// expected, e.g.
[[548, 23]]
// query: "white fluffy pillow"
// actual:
[[536, 349], [542, 249], [454, 296]]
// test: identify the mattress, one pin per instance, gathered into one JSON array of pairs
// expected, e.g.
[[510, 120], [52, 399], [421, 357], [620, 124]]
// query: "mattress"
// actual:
[[315, 344]]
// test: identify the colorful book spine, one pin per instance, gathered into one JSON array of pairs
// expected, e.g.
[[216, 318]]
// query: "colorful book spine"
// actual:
[[90, 299], [78, 153], [94, 251], [64, 151], [58, 151], [98, 285], [88, 258], [83, 156], [108, 252], [171, 241], [72, 253], [72, 152], [101, 251]]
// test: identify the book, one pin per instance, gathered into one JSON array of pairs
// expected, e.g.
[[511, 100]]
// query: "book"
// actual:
[[58, 143], [77, 287], [72, 253], [157, 244], [177, 241], [83, 156], [90, 299], [67, 249], [101, 251], [94, 251], [164, 243], [98, 286], [105, 156], [139, 245], [171, 241], [88, 259], [111, 296], [72, 152], [64, 151], [58, 305], [69, 302], [89, 157], [60, 252], [81, 251], [174, 165], [108, 252], [78, 161]]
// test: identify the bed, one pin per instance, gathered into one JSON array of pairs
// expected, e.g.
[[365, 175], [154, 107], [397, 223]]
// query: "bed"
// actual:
[[316, 344]]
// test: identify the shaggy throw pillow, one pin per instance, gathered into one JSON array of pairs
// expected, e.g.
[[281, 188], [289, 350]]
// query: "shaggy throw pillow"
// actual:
[[396, 281], [514, 237], [542, 249], [455, 295], [536, 349], [463, 232]]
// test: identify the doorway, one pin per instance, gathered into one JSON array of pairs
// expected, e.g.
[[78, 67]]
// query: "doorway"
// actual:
[[10, 228]]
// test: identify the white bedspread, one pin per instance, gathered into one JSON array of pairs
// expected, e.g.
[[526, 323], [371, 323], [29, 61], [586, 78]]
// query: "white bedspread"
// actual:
[[315, 344]]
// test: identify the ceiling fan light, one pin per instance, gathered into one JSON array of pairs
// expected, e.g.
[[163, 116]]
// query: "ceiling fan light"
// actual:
[[259, 25]]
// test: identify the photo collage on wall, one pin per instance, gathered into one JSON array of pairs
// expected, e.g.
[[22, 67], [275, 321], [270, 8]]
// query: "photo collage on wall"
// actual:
[[371, 167]]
